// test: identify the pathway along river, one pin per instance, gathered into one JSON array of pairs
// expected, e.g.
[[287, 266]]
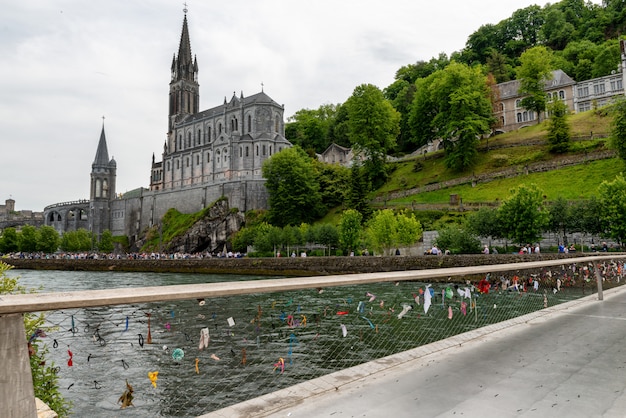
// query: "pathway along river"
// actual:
[[97, 350]]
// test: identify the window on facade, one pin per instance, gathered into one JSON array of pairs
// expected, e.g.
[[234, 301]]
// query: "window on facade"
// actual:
[[616, 85], [583, 107], [236, 124], [257, 150], [264, 149], [209, 134], [232, 125], [220, 128], [249, 123], [270, 150], [519, 117], [168, 166], [561, 94], [197, 160], [189, 139], [501, 107], [276, 125], [199, 139], [247, 155], [208, 157], [240, 152], [180, 142], [583, 91], [177, 164], [217, 155], [187, 161], [502, 121], [598, 88], [518, 103]]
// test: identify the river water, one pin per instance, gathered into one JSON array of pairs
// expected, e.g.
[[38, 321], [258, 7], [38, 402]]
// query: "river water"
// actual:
[[258, 343]]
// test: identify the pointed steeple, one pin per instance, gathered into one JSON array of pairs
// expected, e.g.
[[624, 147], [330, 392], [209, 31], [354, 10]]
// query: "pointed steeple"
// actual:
[[184, 87], [102, 153], [184, 65]]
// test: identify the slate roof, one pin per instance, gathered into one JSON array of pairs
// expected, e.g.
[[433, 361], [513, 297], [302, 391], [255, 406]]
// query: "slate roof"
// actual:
[[510, 89]]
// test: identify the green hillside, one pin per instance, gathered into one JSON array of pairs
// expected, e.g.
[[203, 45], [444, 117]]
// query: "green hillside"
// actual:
[[514, 152]]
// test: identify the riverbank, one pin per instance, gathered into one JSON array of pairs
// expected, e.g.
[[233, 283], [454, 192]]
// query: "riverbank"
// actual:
[[308, 266]]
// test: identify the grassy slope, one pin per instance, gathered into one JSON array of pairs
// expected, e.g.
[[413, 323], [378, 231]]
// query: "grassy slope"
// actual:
[[525, 146]]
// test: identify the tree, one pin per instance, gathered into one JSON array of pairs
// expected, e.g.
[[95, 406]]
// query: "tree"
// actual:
[[386, 230], [28, 239], [559, 132], [484, 223], [457, 240], [106, 242], [350, 230], [561, 222], [294, 195], [373, 127], [523, 215], [534, 71], [334, 181], [328, 236], [618, 128], [79, 240], [453, 104], [48, 239], [357, 193], [9, 242], [612, 198]]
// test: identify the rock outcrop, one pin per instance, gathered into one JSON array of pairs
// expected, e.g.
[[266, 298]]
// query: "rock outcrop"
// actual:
[[211, 233]]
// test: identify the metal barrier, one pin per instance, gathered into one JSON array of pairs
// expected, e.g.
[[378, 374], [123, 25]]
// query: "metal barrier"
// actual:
[[190, 349]]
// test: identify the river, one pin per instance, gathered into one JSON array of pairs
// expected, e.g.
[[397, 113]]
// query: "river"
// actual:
[[257, 344]]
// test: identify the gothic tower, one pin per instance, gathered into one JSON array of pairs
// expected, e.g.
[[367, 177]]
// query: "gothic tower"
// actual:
[[184, 87], [102, 191]]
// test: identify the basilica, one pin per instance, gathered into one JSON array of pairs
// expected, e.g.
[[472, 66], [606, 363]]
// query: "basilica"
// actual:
[[208, 154]]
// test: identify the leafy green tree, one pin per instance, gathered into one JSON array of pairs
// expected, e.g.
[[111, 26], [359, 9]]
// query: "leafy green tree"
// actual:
[[453, 104], [457, 240], [612, 198], [79, 240], [311, 129], [618, 128], [386, 231], [48, 239], [497, 64], [408, 229], [243, 239], [608, 58], [28, 239], [380, 231], [484, 223], [562, 220], [559, 131], [9, 243], [106, 242], [534, 71], [350, 230], [523, 215], [294, 195], [334, 181], [358, 191], [373, 127], [266, 238], [328, 236]]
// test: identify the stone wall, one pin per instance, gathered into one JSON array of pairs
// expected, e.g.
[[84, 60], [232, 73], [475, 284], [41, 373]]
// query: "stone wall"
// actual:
[[308, 266]]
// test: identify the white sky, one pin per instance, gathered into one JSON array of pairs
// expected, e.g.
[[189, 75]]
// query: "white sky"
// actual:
[[67, 63]]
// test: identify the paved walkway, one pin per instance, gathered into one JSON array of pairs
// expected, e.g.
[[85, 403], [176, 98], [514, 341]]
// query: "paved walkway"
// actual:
[[564, 361]]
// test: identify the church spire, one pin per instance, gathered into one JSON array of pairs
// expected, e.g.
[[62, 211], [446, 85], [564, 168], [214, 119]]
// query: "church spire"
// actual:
[[102, 153], [184, 87]]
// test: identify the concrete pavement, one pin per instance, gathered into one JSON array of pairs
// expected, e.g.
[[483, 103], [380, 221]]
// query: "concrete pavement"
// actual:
[[564, 361]]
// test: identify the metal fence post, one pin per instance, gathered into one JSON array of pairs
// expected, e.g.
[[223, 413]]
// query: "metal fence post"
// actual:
[[599, 280], [16, 382]]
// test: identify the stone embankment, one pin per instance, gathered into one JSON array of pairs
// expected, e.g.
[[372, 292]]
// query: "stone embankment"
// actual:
[[307, 266]]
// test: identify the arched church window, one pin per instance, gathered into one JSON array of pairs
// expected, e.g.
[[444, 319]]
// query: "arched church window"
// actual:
[[98, 188], [220, 128], [105, 188], [240, 152], [177, 164], [208, 157], [249, 123], [264, 149], [187, 161], [247, 154], [257, 150], [168, 166], [218, 156], [180, 142], [209, 136], [197, 160], [276, 126], [189, 139], [270, 150], [232, 125], [199, 139]]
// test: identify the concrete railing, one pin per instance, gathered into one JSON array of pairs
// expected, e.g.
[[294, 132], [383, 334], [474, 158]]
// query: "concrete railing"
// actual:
[[16, 386]]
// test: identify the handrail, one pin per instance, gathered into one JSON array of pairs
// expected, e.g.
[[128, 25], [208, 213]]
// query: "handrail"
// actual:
[[38, 302]]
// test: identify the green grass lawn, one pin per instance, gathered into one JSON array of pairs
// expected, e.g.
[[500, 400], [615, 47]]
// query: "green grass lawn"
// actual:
[[572, 183]]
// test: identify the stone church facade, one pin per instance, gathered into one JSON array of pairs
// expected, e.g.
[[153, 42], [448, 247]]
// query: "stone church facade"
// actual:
[[209, 154]]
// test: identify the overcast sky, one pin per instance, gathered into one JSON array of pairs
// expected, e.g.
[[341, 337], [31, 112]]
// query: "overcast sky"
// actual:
[[67, 63]]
